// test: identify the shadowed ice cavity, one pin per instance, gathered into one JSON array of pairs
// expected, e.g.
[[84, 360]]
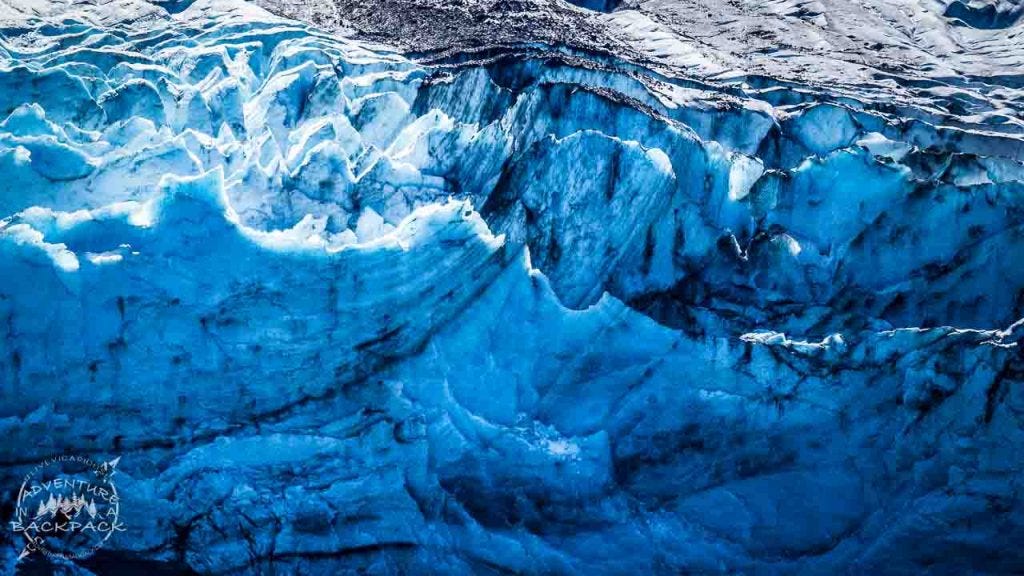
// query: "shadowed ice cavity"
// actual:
[[599, 5]]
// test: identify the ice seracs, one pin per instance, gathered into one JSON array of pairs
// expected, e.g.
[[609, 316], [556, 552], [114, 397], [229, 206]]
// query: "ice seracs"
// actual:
[[540, 311]]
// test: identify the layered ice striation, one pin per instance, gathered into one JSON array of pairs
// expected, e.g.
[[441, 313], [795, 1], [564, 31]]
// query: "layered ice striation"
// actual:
[[535, 311]]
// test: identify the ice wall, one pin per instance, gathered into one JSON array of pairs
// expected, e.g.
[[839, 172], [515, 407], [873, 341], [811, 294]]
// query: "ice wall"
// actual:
[[340, 311]]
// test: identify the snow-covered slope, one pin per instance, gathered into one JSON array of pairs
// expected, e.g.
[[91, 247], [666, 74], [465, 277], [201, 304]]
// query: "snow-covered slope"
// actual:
[[954, 58], [518, 308]]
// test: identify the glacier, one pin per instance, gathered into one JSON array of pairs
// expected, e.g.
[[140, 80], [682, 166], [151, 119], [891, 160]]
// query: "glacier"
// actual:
[[526, 308]]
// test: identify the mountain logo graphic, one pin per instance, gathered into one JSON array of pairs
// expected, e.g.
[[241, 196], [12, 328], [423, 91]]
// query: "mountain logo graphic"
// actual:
[[68, 507]]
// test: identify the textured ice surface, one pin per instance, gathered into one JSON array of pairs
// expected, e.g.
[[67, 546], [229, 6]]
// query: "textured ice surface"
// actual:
[[533, 311]]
